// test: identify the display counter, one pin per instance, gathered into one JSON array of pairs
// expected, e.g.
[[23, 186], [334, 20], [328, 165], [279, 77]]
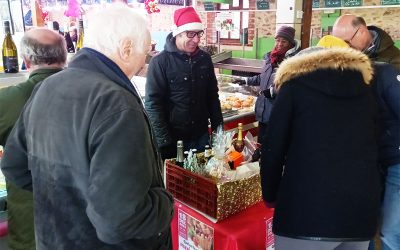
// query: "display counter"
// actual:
[[249, 229]]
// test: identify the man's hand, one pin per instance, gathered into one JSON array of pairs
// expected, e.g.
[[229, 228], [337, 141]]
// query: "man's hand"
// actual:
[[239, 81]]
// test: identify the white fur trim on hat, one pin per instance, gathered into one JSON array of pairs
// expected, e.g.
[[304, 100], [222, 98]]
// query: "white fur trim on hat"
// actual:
[[186, 27]]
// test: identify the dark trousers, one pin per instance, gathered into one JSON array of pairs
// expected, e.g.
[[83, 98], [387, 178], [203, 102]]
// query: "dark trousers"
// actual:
[[262, 132]]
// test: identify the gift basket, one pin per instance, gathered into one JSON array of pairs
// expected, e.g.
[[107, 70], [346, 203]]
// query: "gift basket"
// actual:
[[218, 182]]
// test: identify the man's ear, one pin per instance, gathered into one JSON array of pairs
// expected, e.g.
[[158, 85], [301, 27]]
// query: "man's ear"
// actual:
[[126, 49], [27, 63]]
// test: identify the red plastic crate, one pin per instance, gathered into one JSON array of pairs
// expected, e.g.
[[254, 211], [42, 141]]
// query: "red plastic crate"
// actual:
[[192, 189], [217, 200]]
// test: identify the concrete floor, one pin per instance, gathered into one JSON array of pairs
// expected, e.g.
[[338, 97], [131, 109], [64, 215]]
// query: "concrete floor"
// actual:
[[3, 243]]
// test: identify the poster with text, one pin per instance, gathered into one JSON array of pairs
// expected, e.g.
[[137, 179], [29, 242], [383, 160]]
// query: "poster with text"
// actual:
[[194, 234], [269, 241]]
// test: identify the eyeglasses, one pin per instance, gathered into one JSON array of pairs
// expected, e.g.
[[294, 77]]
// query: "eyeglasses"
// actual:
[[191, 34], [355, 33]]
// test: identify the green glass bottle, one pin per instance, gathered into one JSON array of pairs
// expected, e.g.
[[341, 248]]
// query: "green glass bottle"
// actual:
[[10, 55], [79, 43]]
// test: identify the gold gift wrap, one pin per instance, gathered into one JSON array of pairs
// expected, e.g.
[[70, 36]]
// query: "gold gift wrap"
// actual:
[[235, 196], [217, 200]]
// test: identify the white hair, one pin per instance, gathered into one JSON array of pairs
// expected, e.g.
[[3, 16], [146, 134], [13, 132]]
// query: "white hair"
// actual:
[[109, 26]]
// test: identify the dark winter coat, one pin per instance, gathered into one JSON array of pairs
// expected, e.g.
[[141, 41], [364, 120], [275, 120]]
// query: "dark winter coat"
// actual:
[[319, 162], [84, 144], [181, 94], [386, 86], [265, 80], [384, 50]]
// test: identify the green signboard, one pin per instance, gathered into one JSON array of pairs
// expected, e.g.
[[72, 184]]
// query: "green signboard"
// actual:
[[351, 3], [390, 2], [262, 5], [333, 3], [315, 3]]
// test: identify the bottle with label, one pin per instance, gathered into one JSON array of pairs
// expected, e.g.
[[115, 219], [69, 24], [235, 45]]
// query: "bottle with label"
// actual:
[[238, 144], [79, 43], [180, 158], [10, 55]]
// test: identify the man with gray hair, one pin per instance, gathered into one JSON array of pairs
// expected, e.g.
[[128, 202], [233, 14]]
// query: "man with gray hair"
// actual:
[[44, 53], [93, 164]]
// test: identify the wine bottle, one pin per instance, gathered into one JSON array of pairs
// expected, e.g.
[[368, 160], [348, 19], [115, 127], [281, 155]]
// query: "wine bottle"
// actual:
[[10, 56], [79, 43], [238, 144], [180, 158]]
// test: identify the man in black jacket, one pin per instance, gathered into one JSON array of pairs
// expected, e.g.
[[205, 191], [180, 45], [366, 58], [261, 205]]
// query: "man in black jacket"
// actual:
[[181, 88]]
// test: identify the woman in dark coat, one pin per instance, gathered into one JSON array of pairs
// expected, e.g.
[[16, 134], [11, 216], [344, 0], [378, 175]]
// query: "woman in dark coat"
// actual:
[[319, 161]]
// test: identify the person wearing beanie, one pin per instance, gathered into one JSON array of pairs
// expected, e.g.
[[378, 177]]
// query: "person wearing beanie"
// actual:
[[285, 47], [324, 99], [181, 89]]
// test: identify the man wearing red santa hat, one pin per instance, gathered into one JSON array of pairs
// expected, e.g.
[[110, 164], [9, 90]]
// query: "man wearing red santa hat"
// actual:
[[181, 89]]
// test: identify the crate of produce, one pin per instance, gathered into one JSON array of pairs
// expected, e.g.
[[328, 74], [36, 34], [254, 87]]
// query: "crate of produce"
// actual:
[[217, 200]]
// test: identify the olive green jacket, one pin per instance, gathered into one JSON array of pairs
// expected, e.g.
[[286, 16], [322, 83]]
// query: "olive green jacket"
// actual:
[[13, 99], [21, 234], [385, 50]]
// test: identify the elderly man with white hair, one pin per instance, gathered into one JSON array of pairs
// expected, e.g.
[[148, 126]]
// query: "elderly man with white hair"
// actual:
[[84, 145]]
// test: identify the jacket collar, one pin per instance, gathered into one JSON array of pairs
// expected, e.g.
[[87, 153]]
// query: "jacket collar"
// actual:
[[338, 58], [93, 60]]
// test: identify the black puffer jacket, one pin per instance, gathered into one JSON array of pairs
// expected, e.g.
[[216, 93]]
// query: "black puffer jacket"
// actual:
[[323, 130], [181, 94]]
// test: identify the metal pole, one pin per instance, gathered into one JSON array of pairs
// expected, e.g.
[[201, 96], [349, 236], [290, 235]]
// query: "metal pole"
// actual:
[[218, 42], [22, 14], [256, 43], [242, 42]]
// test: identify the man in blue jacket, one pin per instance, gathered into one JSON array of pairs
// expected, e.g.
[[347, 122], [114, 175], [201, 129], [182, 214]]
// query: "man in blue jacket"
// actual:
[[181, 88], [84, 145]]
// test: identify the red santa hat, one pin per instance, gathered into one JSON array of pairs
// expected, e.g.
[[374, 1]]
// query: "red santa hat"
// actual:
[[186, 19]]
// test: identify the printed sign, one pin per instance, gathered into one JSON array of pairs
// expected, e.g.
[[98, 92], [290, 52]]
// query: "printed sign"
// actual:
[[194, 234], [351, 3], [390, 2], [262, 5], [333, 3], [171, 2], [269, 241], [208, 6]]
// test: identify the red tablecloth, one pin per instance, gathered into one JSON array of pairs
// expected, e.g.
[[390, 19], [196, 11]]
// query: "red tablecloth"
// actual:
[[249, 229]]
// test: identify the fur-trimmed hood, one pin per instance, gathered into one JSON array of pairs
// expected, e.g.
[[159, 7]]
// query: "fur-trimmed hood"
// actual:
[[340, 59]]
